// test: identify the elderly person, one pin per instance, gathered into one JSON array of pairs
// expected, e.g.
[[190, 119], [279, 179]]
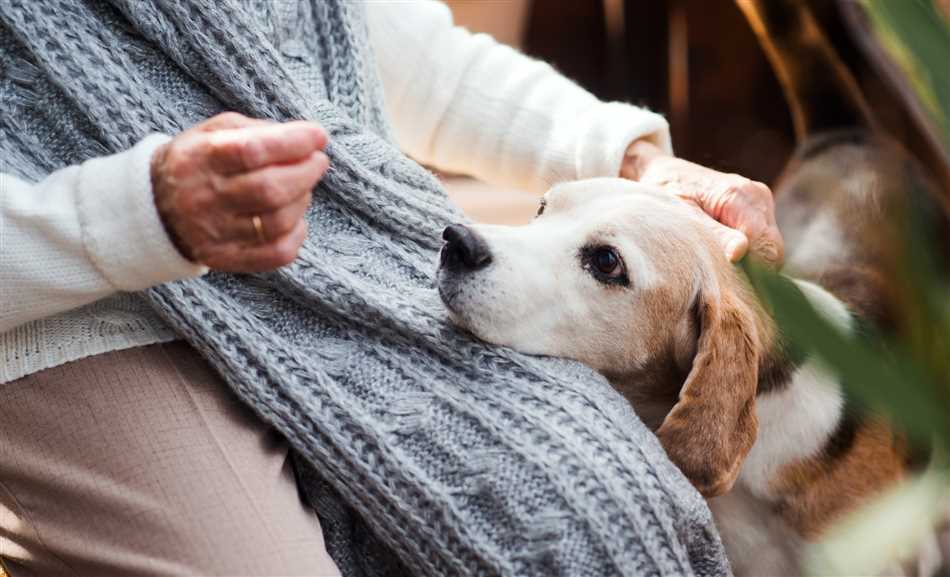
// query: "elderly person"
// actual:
[[151, 398]]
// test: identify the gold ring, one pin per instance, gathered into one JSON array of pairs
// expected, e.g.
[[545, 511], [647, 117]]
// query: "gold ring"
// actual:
[[258, 228]]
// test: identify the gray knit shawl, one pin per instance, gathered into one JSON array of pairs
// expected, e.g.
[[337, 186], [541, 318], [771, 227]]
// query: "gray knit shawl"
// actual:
[[424, 451]]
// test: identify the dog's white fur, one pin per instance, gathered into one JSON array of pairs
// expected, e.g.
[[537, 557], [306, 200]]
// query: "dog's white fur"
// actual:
[[794, 424], [537, 297]]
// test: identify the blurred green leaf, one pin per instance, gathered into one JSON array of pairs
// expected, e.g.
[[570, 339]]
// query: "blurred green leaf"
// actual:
[[924, 291], [918, 38]]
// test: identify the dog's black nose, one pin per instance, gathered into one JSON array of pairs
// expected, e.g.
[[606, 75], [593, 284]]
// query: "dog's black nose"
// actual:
[[464, 249]]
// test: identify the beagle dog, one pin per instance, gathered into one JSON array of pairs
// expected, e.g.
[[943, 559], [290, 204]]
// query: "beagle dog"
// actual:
[[632, 282]]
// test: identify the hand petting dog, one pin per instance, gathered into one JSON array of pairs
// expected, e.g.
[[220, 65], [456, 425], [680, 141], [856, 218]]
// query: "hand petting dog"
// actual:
[[743, 209]]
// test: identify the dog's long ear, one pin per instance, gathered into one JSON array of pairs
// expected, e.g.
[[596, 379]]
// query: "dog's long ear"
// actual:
[[713, 424]]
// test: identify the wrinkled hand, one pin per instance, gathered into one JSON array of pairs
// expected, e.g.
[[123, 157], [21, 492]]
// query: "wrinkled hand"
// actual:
[[211, 181], [744, 209]]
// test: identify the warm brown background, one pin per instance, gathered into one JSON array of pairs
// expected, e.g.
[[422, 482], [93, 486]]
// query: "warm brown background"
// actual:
[[696, 61]]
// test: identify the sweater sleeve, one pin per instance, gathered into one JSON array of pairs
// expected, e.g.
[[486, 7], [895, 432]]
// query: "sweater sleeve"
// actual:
[[81, 234], [465, 103]]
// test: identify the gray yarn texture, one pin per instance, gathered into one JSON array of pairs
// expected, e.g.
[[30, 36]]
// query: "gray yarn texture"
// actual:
[[423, 451]]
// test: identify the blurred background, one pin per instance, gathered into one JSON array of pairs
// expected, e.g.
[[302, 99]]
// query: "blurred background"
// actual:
[[695, 61]]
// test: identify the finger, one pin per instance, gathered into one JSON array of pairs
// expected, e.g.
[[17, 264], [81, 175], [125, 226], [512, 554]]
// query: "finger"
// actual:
[[752, 211], [769, 247], [765, 240], [274, 187], [244, 258], [247, 149], [273, 224], [734, 243], [230, 120]]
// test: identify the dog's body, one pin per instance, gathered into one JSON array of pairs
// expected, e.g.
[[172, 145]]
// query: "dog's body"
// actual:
[[632, 282]]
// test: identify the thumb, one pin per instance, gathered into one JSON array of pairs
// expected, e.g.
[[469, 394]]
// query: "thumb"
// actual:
[[733, 242]]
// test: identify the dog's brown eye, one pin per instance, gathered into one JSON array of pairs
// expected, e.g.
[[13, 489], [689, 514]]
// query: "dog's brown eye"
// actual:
[[604, 264], [606, 261]]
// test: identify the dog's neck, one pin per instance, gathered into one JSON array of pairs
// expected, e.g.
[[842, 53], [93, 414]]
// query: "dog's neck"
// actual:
[[800, 406]]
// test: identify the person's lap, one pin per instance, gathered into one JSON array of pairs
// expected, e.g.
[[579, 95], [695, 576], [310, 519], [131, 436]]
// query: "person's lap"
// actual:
[[142, 462]]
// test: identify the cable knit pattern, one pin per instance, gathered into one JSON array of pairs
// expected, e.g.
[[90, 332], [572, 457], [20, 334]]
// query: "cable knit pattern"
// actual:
[[423, 451]]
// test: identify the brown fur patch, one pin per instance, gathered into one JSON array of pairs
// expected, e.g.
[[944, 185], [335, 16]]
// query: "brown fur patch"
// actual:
[[817, 491], [652, 389]]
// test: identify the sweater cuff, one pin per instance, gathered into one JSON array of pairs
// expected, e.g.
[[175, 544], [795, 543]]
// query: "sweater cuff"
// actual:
[[121, 229], [611, 128]]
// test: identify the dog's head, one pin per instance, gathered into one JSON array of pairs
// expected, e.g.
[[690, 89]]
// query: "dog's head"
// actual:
[[631, 282]]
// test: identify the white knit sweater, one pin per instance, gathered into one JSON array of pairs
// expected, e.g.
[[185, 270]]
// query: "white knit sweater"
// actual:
[[74, 246]]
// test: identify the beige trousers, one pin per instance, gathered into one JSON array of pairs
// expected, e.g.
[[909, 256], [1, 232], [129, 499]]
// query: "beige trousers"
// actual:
[[142, 462]]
